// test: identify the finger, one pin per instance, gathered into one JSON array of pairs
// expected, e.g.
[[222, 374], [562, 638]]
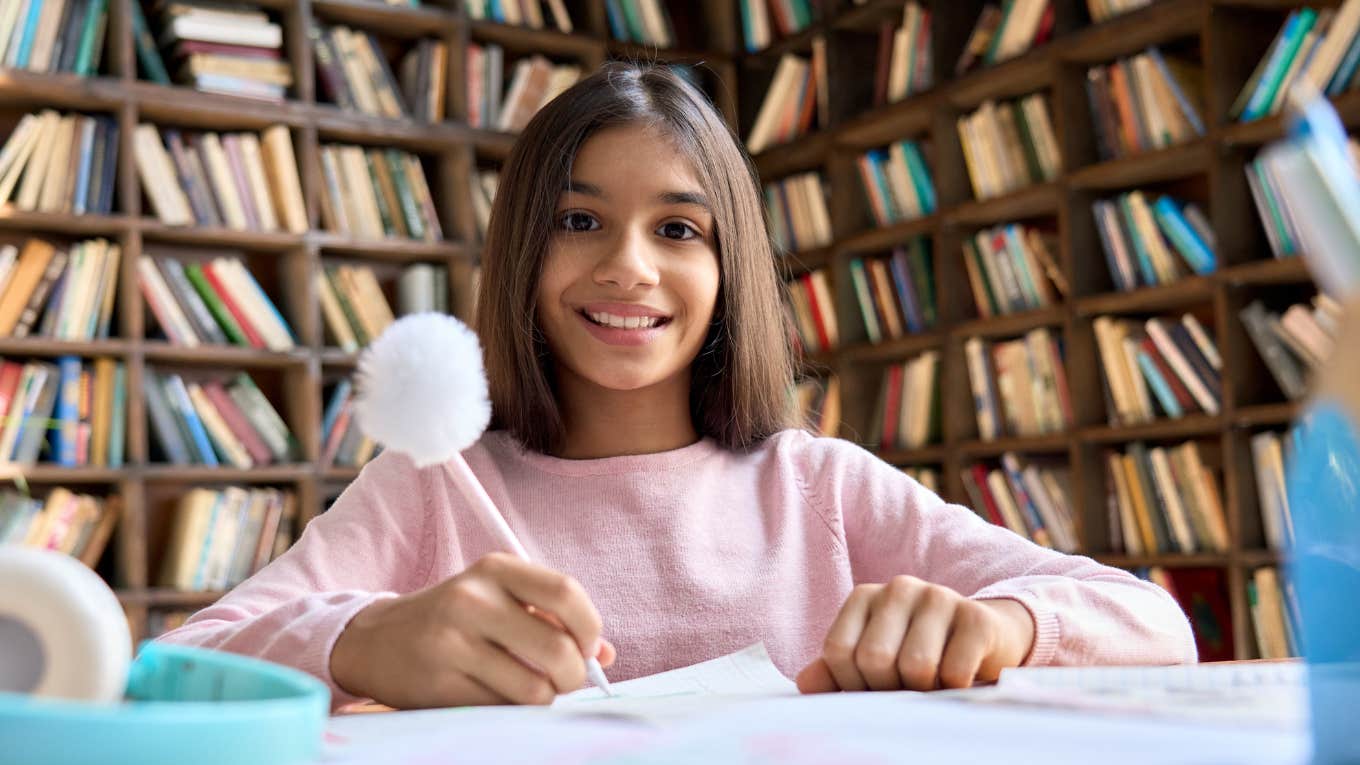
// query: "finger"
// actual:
[[843, 638], [918, 663], [607, 653], [816, 678], [552, 592], [545, 648], [504, 675], [879, 646], [970, 641]]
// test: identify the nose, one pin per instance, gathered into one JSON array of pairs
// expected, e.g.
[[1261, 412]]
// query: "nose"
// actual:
[[629, 263]]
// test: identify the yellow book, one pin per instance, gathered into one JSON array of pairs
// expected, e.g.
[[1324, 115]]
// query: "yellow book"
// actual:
[[222, 437], [253, 161], [23, 279], [286, 189], [223, 185], [36, 169], [335, 316]]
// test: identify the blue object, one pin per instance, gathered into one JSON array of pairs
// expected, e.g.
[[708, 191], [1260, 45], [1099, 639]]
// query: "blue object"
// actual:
[[184, 705], [1324, 499]]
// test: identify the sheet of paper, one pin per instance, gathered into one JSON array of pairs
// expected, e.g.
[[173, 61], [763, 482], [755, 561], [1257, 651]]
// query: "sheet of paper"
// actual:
[[741, 676], [1245, 693]]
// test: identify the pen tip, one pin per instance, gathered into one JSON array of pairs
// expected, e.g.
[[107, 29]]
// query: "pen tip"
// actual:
[[596, 674]]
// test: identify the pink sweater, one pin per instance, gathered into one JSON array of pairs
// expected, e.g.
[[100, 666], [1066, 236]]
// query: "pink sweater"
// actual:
[[687, 554]]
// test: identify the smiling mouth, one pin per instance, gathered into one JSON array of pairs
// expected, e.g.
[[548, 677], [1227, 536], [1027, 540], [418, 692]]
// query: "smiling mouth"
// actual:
[[611, 321]]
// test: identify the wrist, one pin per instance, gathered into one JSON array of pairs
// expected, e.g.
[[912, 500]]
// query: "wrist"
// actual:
[[348, 652], [1020, 629]]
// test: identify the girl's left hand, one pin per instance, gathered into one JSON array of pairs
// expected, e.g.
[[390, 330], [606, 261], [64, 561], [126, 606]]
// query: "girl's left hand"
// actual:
[[910, 634]]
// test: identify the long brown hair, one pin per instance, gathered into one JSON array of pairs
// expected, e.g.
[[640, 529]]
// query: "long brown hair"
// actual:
[[740, 386]]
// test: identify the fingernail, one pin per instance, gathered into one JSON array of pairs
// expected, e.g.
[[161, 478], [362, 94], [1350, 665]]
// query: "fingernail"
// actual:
[[595, 647]]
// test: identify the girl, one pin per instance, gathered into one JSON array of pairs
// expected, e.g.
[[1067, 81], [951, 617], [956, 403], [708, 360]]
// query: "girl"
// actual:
[[642, 449]]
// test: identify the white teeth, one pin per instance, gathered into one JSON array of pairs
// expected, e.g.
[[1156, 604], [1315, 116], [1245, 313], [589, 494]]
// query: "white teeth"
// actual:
[[625, 322]]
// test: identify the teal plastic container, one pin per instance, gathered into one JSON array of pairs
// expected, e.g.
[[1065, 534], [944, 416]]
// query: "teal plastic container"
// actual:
[[184, 705]]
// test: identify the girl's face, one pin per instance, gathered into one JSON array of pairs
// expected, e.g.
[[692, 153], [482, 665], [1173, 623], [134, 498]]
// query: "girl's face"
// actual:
[[631, 274]]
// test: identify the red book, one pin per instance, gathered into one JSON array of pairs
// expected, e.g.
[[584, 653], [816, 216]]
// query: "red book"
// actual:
[[1178, 388], [823, 338], [337, 433], [237, 423], [11, 372], [979, 476], [1204, 598], [1046, 23], [186, 47], [252, 337], [892, 407], [885, 46]]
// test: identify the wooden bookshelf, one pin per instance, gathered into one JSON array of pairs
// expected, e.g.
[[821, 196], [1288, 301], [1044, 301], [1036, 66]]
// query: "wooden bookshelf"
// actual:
[[1230, 34]]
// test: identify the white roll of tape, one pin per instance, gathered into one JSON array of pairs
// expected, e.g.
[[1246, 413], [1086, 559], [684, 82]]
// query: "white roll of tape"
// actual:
[[62, 632]]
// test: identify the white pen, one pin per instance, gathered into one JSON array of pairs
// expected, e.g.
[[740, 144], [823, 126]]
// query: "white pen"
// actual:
[[495, 524]]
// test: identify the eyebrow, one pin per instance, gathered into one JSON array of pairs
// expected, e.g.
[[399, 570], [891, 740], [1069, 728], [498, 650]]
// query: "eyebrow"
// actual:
[[665, 197]]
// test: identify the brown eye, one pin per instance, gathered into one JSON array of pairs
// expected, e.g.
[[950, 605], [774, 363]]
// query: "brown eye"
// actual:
[[578, 222], [677, 231]]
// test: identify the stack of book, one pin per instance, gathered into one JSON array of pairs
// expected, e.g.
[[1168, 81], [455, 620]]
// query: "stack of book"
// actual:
[[226, 48], [1274, 614], [795, 96], [1141, 240], [645, 22], [796, 209], [482, 188], [1009, 146], [896, 294], [83, 403], [927, 477], [1033, 501], [215, 423], [373, 193], [58, 293], [1019, 386], [819, 405], [905, 64], [1104, 10], [242, 181], [342, 442], [1011, 269], [897, 183], [213, 301], [1315, 49], [1006, 31], [221, 536], [53, 36], [60, 163], [528, 13], [907, 415], [1269, 453], [812, 312], [353, 305], [1277, 213], [762, 20], [1163, 500], [1295, 342], [1173, 363], [76, 524], [355, 75], [1145, 102], [534, 81]]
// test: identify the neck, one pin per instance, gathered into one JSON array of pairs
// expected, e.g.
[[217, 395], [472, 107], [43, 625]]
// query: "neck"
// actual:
[[611, 423]]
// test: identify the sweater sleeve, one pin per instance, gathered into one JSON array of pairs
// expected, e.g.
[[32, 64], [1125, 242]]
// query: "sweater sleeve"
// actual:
[[1084, 612], [369, 545]]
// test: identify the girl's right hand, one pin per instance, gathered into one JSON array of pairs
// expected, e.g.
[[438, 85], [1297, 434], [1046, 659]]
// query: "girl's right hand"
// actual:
[[504, 631]]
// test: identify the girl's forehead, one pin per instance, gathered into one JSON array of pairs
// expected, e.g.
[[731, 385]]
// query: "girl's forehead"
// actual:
[[628, 155]]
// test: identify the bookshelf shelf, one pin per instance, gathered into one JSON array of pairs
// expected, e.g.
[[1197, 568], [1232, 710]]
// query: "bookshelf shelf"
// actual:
[[334, 357], [49, 348], [874, 239], [1052, 443], [60, 91], [1131, 32], [1271, 271], [402, 20], [891, 350], [223, 355], [205, 474], [795, 263], [1011, 324], [55, 474], [549, 42], [341, 474], [785, 158], [1254, 558], [1189, 426], [1148, 167], [166, 598], [1169, 560], [1281, 413], [63, 223], [1024, 74], [181, 105], [1180, 294], [1030, 202], [264, 241], [924, 456], [387, 249]]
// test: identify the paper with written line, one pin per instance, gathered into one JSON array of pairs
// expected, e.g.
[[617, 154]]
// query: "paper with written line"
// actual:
[[744, 675]]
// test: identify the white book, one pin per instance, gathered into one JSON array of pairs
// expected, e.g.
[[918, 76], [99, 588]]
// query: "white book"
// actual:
[[219, 30], [8, 255], [1207, 399], [1175, 511], [179, 330]]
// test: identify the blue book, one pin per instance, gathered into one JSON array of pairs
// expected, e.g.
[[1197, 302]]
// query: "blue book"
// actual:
[[1099, 210], [86, 144], [26, 39], [67, 428], [618, 27], [1187, 109], [273, 310], [163, 421], [201, 571], [1037, 530], [494, 11], [1346, 69], [920, 176], [1187, 241], [782, 194], [1160, 388], [1295, 28], [333, 407], [183, 406], [877, 159], [911, 311], [118, 417], [1029, 288]]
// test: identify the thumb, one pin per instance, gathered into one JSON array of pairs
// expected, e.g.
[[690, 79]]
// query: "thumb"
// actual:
[[816, 678], [607, 653]]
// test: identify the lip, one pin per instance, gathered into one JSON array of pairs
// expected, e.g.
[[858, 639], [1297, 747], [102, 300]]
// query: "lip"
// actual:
[[620, 336], [625, 309]]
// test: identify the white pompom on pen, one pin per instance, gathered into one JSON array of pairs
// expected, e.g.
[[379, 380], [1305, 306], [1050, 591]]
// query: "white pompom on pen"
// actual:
[[422, 391]]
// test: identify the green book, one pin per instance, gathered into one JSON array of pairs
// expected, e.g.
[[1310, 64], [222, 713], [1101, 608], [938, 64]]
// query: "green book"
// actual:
[[971, 252], [923, 274], [215, 305], [990, 57], [94, 18], [633, 19], [385, 213], [147, 54], [118, 418], [410, 209], [264, 413], [1036, 168], [351, 315]]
